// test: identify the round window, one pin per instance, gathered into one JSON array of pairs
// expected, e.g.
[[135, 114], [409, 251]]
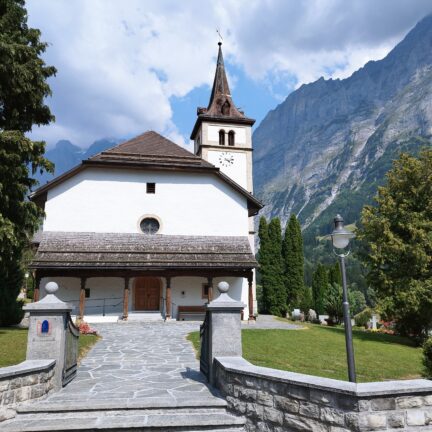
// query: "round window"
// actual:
[[149, 225]]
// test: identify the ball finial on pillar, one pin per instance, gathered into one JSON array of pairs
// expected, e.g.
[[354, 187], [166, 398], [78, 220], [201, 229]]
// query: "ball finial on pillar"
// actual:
[[51, 287], [223, 287]]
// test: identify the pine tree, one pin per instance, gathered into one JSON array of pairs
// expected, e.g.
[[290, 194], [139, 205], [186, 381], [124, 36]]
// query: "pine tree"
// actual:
[[23, 89], [320, 283], [334, 274], [293, 257], [263, 260], [277, 301]]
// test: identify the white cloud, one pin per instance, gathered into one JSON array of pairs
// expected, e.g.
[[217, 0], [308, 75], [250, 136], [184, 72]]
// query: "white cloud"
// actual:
[[120, 62]]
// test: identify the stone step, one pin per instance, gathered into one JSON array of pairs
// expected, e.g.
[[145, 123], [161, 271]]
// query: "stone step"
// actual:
[[48, 406], [127, 420]]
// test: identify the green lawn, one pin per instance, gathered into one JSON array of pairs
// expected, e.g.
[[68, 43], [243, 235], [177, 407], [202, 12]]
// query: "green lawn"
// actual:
[[13, 345], [320, 350]]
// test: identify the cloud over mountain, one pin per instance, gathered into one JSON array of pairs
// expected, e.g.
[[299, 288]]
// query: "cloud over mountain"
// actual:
[[120, 63]]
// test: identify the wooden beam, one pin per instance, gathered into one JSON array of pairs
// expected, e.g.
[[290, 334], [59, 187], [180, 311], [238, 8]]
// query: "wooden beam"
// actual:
[[37, 279], [251, 299], [168, 298], [210, 289], [82, 297], [126, 298]]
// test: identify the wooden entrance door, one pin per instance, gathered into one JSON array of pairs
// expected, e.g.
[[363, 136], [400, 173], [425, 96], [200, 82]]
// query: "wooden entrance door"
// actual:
[[147, 293]]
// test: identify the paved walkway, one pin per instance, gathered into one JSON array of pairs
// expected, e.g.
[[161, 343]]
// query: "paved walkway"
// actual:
[[138, 362], [271, 322]]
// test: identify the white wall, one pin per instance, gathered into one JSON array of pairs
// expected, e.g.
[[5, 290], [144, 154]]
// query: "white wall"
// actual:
[[104, 200], [237, 170]]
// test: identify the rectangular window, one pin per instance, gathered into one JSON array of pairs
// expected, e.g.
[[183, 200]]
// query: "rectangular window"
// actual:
[[151, 188], [205, 291], [87, 292]]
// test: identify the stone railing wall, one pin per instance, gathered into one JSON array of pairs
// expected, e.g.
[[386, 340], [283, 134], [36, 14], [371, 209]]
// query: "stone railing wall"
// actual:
[[274, 400], [31, 379]]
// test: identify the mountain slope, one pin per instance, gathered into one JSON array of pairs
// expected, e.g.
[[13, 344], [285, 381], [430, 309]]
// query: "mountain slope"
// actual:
[[66, 155], [328, 145]]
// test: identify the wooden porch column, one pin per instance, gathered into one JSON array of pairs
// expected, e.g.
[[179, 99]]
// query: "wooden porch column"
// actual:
[[82, 297], [168, 298], [210, 289], [251, 299], [37, 279], [126, 298]]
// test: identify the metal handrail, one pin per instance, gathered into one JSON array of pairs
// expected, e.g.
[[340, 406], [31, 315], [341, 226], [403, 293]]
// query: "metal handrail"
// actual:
[[103, 306]]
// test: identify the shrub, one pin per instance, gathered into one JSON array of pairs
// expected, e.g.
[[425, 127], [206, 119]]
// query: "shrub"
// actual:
[[333, 304], [427, 358], [363, 317], [85, 328]]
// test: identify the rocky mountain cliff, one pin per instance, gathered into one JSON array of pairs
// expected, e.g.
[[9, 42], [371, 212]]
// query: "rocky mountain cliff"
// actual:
[[326, 148]]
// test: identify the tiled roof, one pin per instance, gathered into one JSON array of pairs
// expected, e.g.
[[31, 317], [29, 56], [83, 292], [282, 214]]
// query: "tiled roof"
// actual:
[[151, 148], [89, 250]]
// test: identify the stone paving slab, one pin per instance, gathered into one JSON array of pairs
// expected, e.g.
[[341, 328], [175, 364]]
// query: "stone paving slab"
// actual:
[[138, 361]]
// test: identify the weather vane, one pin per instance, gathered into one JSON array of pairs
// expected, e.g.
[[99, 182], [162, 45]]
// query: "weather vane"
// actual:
[[220, 36]]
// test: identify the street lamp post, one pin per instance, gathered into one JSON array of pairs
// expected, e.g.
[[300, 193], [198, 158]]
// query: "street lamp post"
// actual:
[[340, 239]]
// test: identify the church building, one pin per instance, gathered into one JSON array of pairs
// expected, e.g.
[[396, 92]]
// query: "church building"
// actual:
[[147, 228]]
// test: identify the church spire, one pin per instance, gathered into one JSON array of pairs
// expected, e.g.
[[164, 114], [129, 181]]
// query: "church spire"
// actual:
[[220, 83], [221, 108], [221, 103]]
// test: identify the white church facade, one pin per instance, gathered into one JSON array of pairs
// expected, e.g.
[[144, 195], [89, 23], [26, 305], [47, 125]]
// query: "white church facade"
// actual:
[[149, 227]]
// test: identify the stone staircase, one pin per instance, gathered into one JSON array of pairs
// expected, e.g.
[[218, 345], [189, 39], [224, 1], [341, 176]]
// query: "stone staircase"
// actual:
[[206, 414]]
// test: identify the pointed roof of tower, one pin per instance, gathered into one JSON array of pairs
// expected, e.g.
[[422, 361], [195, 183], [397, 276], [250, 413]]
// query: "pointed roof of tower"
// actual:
[[221, 107]]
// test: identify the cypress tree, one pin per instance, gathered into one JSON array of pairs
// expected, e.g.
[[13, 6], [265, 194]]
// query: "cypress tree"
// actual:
[[263, 260], [275, 276], [320, 282], [293, 257], [334, 274]]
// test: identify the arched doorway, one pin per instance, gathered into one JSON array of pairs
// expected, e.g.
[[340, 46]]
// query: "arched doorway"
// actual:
[[147, 293]]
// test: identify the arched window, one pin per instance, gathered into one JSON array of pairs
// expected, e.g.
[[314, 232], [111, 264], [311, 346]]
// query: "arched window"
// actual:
[[231, 140], [226, 108], [221, 137]]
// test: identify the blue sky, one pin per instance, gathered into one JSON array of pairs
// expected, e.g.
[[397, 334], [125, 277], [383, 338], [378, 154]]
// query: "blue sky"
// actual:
[[126, 67]]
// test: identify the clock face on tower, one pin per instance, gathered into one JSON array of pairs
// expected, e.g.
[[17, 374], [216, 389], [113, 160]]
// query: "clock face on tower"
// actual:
[[226, 159]]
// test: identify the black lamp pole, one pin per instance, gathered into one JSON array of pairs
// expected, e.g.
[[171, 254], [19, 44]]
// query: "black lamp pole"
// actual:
[[341, 238]]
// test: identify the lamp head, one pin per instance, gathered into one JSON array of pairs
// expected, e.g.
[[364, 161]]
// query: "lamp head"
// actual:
[[340, 236]]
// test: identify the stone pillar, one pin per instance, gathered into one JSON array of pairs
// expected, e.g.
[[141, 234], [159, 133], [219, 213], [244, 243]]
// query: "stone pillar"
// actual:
[[168, 298], [126, 299], [224, 320], [48, 324]]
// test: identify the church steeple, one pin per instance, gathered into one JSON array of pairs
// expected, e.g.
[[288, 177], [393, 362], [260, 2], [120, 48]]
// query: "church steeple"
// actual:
[[221, 107], [222, 133], [221, 103]]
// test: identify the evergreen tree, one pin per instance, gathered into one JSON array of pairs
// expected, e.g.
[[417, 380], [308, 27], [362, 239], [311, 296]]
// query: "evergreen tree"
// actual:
[[23, 89], [275, 276], [292, 251], [334, 274], [398, 232], [263, 260], [319, 287]]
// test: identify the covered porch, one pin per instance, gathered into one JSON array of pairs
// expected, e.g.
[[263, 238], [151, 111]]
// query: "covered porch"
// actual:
[[124, 275]]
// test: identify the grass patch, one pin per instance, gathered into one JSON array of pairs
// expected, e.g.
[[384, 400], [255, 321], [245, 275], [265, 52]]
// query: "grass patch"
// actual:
[[319, 350], [13, 345]]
